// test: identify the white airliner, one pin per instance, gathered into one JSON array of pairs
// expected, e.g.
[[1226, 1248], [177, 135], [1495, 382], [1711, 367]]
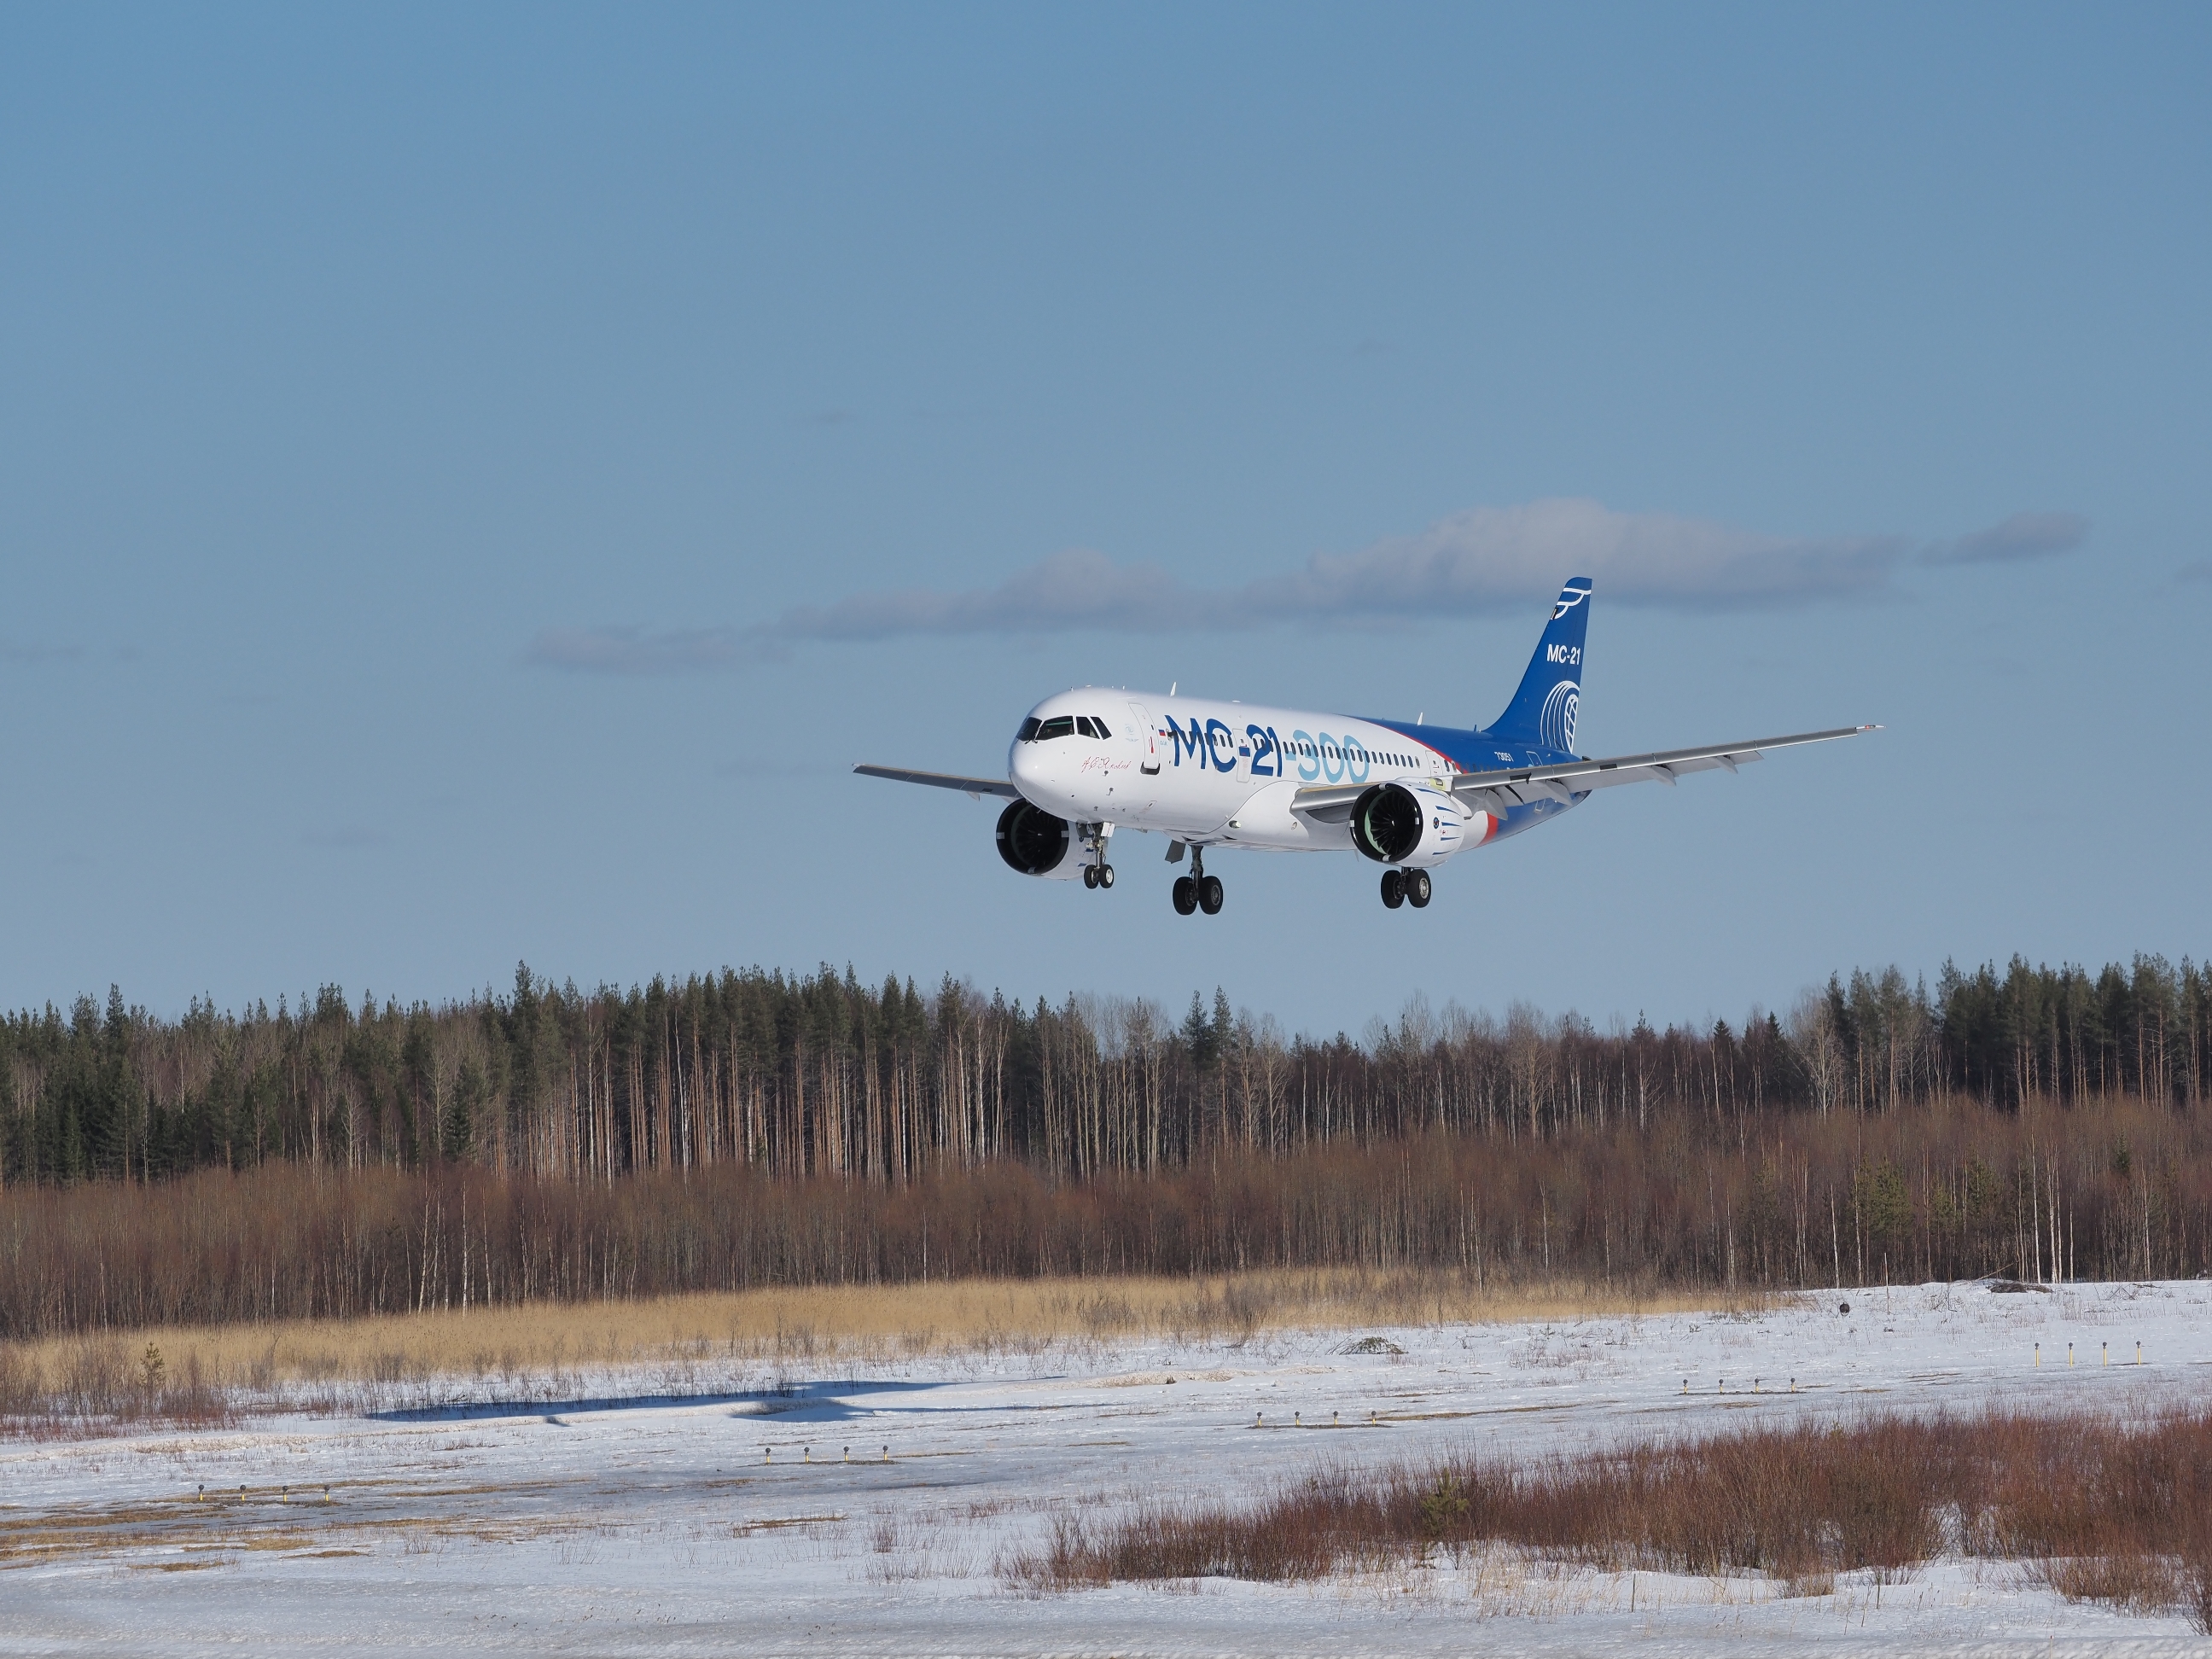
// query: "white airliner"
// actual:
[[1219, 774]]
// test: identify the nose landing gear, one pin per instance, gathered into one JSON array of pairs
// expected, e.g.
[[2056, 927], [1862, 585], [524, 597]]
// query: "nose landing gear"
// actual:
[[1406, 887], [1098, 873], [1197, 890]]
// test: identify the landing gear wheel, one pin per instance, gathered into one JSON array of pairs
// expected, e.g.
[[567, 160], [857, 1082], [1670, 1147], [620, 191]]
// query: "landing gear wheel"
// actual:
[[1185, 895], [1417, 887], [1209, 895], [1090, 875], [1394, 889], [1105, 875]]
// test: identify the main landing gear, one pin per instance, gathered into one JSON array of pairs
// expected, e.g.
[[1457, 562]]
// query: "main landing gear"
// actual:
[[1197, 890], [1405, 886]]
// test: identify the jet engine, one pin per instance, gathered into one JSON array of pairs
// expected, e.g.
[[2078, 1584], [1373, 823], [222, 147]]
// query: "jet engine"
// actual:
[[1407, 824], [1035, 843]]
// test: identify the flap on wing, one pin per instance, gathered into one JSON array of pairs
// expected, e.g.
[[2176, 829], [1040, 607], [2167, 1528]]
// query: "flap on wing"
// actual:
[[1514, 785], [978, 788]]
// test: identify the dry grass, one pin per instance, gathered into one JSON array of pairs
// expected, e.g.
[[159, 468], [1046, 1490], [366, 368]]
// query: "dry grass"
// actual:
[[772, 1325], [106, 1379], [2114, 1512]]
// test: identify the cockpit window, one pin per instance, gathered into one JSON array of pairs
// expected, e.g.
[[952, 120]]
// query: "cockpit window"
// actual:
[[1028, 733], [1062, 725], [1086, 726]]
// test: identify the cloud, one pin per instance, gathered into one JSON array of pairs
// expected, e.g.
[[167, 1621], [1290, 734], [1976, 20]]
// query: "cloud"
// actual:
[[1485, 562], [741, 771], [1066, 592], [616, 650], [1493, 560], [341, 837], [2023, 536], [22, 653]]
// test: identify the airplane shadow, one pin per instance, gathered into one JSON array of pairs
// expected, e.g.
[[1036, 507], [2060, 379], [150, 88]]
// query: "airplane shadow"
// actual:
[[828, 1400]]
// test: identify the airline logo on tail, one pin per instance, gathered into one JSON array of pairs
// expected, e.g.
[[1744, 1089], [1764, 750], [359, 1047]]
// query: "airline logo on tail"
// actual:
[[1555, 726], [1570, 596]]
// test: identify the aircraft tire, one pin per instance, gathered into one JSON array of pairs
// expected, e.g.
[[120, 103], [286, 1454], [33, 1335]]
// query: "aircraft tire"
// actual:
[[1209, 896], [1105, 875], [1393, 890], [1417, 887], [1090, 875], [1185, 895]]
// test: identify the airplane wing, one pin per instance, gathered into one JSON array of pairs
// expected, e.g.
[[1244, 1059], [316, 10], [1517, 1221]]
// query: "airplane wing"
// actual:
[[1508, 787], [977, 787]]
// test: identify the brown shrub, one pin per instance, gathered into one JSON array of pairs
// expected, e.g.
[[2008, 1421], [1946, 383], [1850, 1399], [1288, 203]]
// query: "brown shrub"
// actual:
[[2136, 1580], [2108, 1512]]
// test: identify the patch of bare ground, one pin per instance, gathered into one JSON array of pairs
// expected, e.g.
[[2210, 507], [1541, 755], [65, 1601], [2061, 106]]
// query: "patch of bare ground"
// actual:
[[214, 1528], [2102, 1510], [197, 1375]]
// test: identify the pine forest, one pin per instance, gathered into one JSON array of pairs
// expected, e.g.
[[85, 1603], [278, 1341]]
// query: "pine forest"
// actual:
[[754, 1128]]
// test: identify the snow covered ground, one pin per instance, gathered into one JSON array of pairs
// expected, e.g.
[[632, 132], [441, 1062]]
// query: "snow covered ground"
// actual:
[[614, 1519]]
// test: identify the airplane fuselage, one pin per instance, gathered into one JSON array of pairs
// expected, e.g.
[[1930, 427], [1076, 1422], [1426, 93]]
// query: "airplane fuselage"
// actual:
[[1225, 774]]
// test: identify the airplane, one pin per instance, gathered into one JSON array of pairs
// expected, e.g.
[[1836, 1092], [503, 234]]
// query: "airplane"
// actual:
[[1217, 775]]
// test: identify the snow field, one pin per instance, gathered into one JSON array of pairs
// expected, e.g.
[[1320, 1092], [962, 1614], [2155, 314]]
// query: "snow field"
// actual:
[[689, 1509]]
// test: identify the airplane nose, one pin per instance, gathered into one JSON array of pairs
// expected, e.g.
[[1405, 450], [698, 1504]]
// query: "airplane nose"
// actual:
[[1036, 776]]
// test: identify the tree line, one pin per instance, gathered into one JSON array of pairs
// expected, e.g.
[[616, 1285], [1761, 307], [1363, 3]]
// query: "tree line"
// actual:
[[798, 1076], [1777, 1197]]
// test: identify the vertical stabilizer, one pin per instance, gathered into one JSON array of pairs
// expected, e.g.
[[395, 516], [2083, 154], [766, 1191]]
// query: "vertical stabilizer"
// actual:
[[1542, 712]]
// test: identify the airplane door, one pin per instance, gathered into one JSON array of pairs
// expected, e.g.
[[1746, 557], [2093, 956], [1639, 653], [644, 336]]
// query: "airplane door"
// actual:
[[1148, 741]]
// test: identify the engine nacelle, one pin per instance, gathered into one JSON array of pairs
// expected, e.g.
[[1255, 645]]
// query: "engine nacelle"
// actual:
[[1407, 824], [1035, 843]]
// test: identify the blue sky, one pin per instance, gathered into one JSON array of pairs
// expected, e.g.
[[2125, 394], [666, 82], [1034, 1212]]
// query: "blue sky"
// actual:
[[472, 482]]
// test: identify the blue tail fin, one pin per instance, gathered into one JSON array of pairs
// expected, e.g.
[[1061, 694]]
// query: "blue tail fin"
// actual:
[[1542, 711]]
